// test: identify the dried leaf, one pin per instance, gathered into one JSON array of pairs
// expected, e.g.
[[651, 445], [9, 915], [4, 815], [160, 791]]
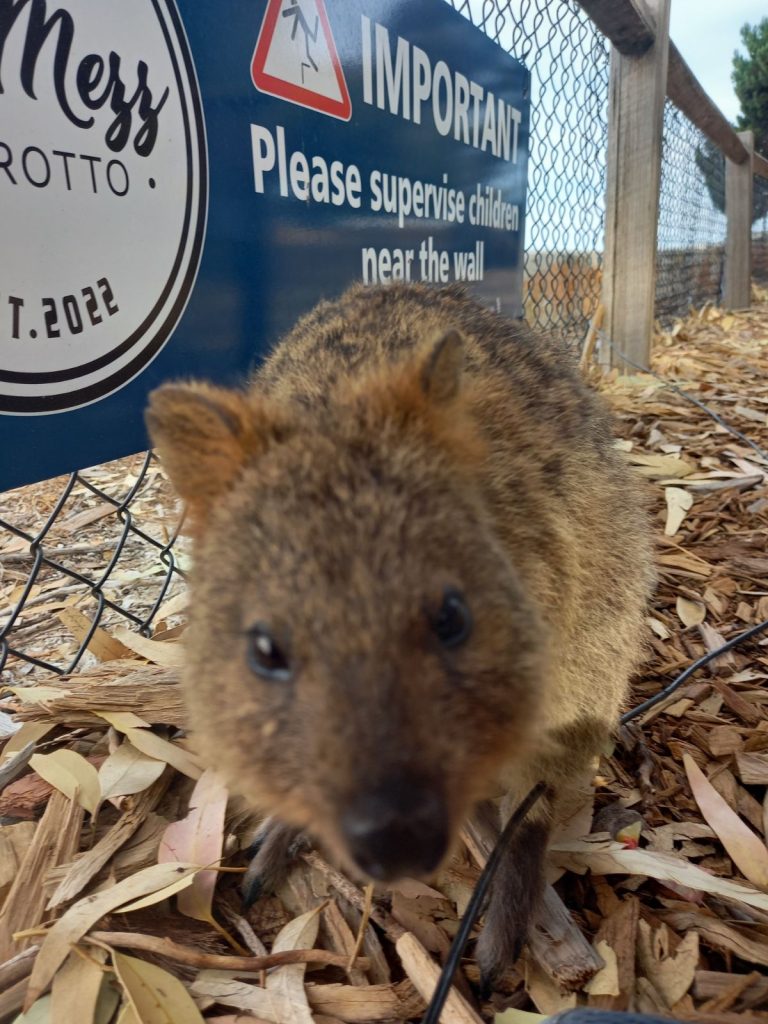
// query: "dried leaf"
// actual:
[[606, 981], [284, 1000], [101, 644], [156, 996], [166, 653], [679, 502], [39, 1013], [661, 465], [608, 858], [691, 613], [174, 605], [107, 1003], [658, 628], [81, 990], [122, 720], [671, 974], [198, 839], [155, 746], [264, 1005], [82, 915], [577, 807], [411, 889], [173, 889], [128, 771], [30, 732], [71, 774], [128, 1015], [288, 982], [744, 847]]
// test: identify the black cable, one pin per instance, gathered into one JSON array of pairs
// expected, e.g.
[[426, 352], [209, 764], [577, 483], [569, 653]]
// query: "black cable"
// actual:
[[677, 683], [474, 907], [684, 394], [475, 904]]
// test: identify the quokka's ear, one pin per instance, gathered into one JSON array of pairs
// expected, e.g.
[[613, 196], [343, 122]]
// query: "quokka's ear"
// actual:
[[442, 368], [205, 435]]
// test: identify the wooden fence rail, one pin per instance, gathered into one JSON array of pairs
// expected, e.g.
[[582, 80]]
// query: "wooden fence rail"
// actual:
[[645, 66]]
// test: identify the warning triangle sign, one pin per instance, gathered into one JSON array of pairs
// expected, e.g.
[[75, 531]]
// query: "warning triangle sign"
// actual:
[[296, 60]]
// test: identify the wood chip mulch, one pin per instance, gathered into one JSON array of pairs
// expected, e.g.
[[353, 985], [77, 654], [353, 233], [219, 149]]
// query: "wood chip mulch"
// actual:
[[106, 815]]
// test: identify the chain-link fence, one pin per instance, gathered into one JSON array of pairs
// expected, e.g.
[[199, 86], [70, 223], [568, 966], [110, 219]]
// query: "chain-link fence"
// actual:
[[569, 63], [94, 549], [691, 241]]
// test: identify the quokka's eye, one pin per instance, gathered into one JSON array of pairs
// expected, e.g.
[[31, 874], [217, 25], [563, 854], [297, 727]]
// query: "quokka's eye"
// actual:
[[266, 657], [453, 622]]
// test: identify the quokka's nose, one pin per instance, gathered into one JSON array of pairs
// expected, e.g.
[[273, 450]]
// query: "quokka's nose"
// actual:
[[396, 829]]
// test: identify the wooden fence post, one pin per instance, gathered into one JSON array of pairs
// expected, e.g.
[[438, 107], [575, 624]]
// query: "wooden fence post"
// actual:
[[738, 242], [636, 117]]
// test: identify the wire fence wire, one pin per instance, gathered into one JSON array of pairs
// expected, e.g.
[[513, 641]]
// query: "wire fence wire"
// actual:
[[80, 552], [569, 61], [95, 550], [690, 254]]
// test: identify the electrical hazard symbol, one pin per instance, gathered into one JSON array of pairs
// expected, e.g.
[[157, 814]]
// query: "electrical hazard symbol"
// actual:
[[296, 59]]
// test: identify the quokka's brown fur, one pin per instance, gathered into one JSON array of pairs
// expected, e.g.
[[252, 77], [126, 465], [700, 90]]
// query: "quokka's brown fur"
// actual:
[[398, 442]]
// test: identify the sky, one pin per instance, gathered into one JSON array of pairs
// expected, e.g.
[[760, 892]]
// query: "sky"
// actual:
[[706, 32]]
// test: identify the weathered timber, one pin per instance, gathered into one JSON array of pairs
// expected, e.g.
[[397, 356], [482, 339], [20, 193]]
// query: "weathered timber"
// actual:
[[636, 105], [627, 24], [738, 240], [686, 92]]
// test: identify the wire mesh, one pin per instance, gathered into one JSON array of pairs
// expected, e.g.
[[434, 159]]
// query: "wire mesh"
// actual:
[[569, 63], [95, 549], [760, 231], [691, 240], [81, 552]]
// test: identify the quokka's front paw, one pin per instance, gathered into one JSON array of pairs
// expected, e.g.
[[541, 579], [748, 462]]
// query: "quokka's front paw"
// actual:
[[514, 898], [273, 850]]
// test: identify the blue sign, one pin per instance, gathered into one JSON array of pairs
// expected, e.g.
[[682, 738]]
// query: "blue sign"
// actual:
[[180, 184]]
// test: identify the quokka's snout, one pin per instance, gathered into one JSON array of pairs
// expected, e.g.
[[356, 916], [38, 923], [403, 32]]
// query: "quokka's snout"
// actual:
[[396, 829]]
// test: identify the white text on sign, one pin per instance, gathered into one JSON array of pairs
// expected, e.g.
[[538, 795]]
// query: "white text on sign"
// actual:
[[315, 179], [427, 263], [460, 108]]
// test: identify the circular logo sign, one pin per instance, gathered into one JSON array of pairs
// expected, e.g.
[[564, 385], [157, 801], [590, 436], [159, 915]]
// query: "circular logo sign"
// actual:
[[103, 191]]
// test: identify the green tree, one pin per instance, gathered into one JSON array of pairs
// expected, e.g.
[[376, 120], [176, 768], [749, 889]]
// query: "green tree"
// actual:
[[750, 81]]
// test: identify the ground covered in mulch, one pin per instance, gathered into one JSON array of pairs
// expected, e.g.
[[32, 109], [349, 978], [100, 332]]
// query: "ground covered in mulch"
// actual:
[[106, 815]]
